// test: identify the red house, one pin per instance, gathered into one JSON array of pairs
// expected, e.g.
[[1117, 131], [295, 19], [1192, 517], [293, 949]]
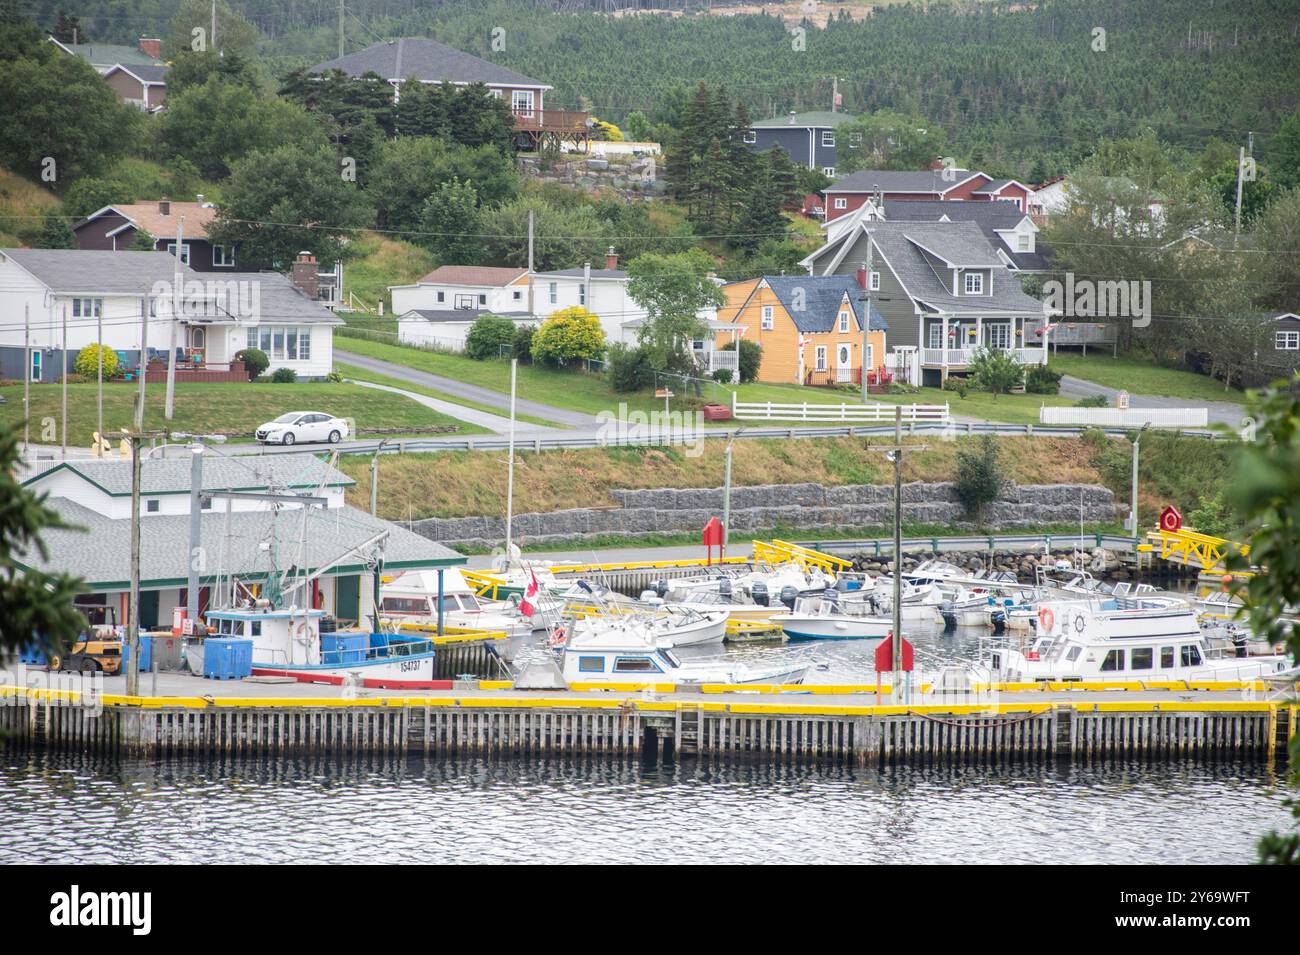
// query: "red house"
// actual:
[[936, 183]]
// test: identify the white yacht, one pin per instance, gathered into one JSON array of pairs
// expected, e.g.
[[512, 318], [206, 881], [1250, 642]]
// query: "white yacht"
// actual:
[[835, 616], [671, 626], [412, 597], [627, 654]]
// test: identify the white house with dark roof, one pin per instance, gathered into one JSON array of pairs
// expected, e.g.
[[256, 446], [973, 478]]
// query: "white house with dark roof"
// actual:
[[347, 544], [944, 291], [105, 293]]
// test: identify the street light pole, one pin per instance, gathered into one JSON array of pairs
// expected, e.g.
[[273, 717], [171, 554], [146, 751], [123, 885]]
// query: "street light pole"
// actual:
[[374, 479], [1133, 491], [726, 491]]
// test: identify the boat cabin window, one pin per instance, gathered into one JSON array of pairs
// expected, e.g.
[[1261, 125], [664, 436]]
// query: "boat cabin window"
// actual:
[[591, 664], [1141, 658], [257, 628], [1166, 658], [469, 602], [405, 605], [669, 658], [1191, 656], [1114, 661], [1073, 653], [635, 665]]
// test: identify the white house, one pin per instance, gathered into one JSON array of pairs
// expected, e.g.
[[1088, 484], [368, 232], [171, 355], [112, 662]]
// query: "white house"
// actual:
[[340, 544], [94, 293]]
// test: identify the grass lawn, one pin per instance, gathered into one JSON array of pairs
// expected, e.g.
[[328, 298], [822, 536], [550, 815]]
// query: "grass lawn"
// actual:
[[380, 261], [1142, 377], [233, 409], [1010, 409], [364, 374]]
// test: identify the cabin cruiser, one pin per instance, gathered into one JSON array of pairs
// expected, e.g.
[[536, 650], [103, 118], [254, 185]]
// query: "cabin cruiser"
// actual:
[[412, 598], [1125, 638], [920, 601], [753, 596], [670, 626], [835, 616], [626, 653], [304, 644]]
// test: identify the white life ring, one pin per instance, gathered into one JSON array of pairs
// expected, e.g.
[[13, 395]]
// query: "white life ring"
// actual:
[[302, 633]]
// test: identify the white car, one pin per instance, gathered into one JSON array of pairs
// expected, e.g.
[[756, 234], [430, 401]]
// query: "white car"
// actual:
[[299, 426]]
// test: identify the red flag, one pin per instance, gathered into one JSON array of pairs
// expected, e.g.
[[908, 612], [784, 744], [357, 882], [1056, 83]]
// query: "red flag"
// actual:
[[525, 606]]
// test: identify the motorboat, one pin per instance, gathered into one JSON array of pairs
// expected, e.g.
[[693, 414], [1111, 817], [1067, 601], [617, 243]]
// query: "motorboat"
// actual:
[[412, 598], [624, 652], [671, 626], [835, 616], [920, 602], [303, 644], [752, 596], [1124, 638]]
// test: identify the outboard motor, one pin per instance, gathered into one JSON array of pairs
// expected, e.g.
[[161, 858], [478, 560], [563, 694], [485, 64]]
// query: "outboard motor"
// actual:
[[759, 592], [661, 587], [999, 620], [724, 587], [949, 614], [1239, 640], [789, 594], [831, 596]]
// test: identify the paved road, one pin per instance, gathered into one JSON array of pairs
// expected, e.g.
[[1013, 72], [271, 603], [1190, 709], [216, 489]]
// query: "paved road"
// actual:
[[497, 423], [1220, 412], [460, 389]]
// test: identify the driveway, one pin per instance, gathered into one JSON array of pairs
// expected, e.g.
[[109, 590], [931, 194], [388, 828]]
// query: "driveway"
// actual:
[[475, 393], [1220, 412]]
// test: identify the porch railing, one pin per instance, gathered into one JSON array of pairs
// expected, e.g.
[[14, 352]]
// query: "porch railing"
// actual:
[[716, 360], [551, 120], [954, 357]]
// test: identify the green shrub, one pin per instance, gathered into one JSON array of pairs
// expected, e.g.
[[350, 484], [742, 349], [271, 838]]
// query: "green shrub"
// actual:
[[1041, 380], [73, 378], [571, 334], [958, 384], [1092, 401], [255, 361], [284, 376], [521, 346], [722, 376], [334, 378], [995, 371], [488, 335], [979, 475], [87, 364], [751, 357], [628, 368]]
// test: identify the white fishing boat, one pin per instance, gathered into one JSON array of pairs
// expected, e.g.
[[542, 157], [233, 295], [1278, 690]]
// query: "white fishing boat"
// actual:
[[412, 598], [834, 616], [669, 626], [290, 643], [751, 596], [625, 653], [1125, 638], [920, 602]]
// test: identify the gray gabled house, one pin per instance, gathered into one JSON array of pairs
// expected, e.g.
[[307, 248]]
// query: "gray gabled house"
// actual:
[[943, 290]]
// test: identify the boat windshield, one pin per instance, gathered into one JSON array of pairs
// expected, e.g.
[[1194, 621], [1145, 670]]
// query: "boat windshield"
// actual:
[[670, 658]]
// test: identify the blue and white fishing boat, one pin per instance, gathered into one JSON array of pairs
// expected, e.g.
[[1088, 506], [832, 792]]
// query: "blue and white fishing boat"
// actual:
[[832, 615]]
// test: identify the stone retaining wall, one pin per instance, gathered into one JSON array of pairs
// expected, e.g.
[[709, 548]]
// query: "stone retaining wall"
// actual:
[[810, 507]]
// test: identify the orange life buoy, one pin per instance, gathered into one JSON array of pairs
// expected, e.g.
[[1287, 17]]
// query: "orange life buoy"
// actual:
[[1046, 618]]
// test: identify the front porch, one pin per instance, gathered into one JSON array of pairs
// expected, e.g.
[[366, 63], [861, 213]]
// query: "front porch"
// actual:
[[533, 127]]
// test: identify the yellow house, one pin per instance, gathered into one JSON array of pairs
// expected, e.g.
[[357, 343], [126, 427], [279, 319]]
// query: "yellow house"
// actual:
[[809, 327]]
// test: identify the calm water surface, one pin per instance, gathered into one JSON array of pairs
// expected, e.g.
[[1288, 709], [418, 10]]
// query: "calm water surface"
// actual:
[[61, 808]]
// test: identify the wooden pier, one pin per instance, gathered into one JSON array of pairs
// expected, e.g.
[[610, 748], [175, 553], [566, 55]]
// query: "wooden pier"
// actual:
[[718, 723]]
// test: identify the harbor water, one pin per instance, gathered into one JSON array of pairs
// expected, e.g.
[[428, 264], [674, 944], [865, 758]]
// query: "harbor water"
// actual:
[[67, 808]]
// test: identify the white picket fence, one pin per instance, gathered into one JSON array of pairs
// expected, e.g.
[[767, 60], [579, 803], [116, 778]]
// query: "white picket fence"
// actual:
[[1127, 417], [876, 413]]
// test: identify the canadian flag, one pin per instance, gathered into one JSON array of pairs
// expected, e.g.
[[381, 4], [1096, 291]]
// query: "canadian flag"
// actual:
[[526, 606]]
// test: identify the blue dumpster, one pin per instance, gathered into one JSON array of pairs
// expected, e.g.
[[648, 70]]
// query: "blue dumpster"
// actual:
[[340, 648], [146, 652], [227, 658]]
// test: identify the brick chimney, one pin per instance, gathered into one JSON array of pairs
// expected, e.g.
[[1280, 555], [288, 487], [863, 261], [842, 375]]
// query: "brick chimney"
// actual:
[[862, 276], [304, 275], [611, 258], [151, 47], [164, 207], [938, 163]]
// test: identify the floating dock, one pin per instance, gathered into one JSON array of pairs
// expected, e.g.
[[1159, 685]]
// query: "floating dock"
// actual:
[[1045, 723]]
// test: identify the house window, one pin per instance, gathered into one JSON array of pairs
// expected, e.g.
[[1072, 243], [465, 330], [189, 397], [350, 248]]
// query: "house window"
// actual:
[[221, 257], [769, 321], [1287, 341], [442, 296], [552, 293], [521, 102], [87, 307], [828, 137], [185, 251], [874, 284], [828, 172], [518, 295], [844, 322], [582, 294], [1022, 243], [841, 203], [750, 137], [820, 359], [998, 336], [974, 283], [482, 299], [151, 507], [464, 301], [935, 336], [281, 343], [495, 93]]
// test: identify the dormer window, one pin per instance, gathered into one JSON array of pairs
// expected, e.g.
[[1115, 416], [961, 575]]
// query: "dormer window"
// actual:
[[1023, 243], [974, 283], [844, 321]]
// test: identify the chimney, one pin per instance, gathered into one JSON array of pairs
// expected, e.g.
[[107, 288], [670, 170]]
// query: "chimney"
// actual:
[[164, 207], [938, 163], [151, 47], [611, 258], [792, 116], [862, 276], [304, 275]]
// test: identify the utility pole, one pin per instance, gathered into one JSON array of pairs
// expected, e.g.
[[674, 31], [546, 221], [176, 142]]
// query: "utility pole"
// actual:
[[835, 92], [27, 378], [1241, 166], [726, 492], [144, 362], [196, 532], [99, 383], [133, 616], [63, 360], [340, 28], [866, 313], [1133, 491], [212, 36], [530, 261], [510, 467], [374, 479], [177, 282]]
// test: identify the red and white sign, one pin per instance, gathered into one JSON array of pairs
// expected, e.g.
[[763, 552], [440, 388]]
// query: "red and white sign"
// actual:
[[1170, 519]]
